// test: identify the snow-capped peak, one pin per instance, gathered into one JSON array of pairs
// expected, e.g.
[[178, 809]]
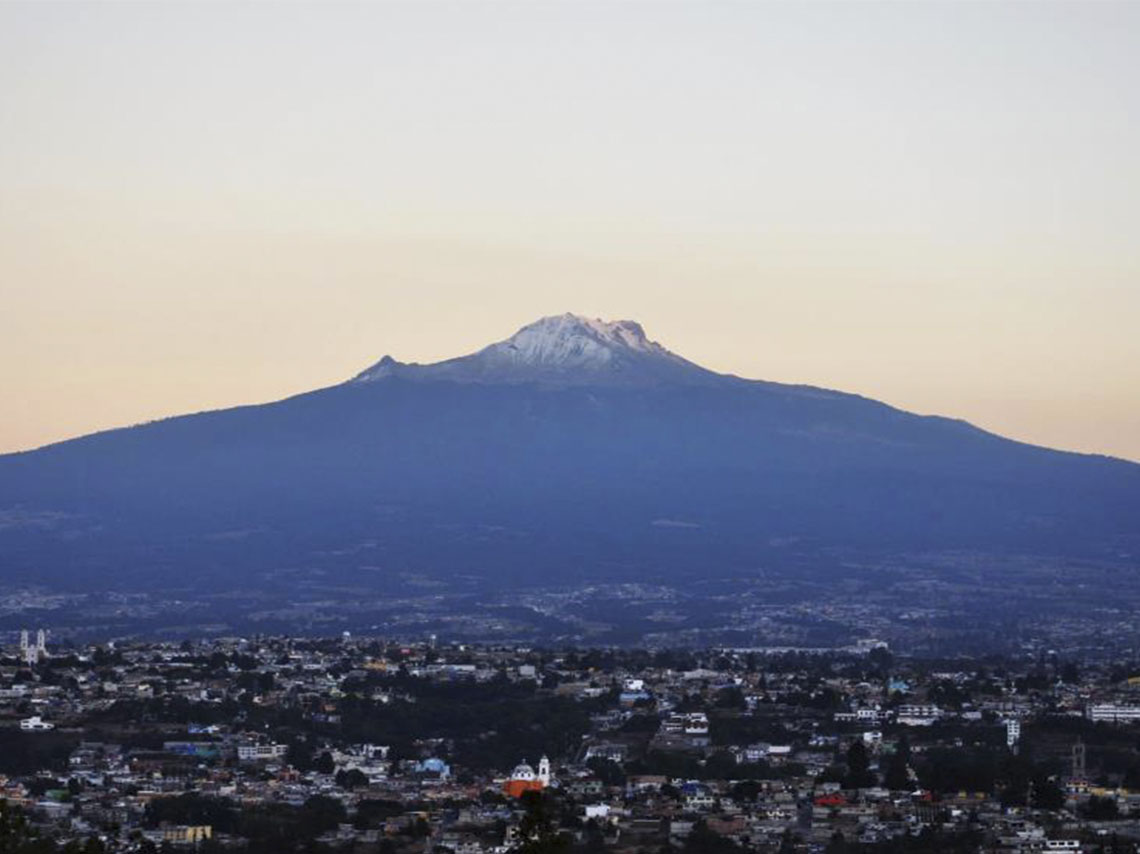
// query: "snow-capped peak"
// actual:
[[570, 340], [564, 348]]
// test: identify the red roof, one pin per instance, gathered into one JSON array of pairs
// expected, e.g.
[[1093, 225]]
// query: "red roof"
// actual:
[[833, 800]]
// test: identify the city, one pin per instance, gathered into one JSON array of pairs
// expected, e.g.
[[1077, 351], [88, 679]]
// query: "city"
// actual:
[[569, 427], [364, 744]]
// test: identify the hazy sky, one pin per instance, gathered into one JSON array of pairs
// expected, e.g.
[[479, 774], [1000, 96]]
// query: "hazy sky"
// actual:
[[936, 205]]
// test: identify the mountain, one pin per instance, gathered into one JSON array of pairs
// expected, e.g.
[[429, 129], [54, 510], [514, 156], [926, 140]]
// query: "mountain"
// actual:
[[574, 451], [562, 350]]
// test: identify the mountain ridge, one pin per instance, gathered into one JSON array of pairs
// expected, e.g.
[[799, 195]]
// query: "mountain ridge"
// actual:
[[512, 475], [445, 370], [564, 349]]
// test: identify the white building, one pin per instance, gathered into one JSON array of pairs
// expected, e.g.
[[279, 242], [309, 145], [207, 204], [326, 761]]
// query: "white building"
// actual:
[[918, 715], [700, 802], [1112, 712], [525, 773], [696, 723], [260, 752], [1012, 732], [33, 654], [35, 724], [1070, 846]]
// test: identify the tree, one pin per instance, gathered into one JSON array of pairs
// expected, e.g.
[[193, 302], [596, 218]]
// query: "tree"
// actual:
[[606, 770], [321, 814], [13, 827], [595, 839], [731, 698], [1047, 795], [859, 774], [351, 779], [746, 791], [702, 840], [324, 764], [537, 828], [299, 755], [720, 765], [837, 844], [898, 774], [1100, 809], [881, 659]]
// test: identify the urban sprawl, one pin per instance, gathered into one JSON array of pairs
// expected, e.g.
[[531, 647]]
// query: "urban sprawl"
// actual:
[[350, 744]]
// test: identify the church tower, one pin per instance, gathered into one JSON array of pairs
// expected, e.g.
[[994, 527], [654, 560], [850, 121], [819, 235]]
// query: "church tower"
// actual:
[[1079, 764], [544, 771]]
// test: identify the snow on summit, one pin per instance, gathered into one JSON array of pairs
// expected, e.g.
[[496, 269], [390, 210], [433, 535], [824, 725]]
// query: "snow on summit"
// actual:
[[570, 340], [564, 348]]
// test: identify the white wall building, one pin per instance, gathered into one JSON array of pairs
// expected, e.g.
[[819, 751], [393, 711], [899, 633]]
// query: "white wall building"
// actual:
[[1112, 712], [1012, 732], [260, 752]]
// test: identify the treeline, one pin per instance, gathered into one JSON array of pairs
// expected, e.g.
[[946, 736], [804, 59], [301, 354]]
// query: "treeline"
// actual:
[[267, 827], [23, 753]]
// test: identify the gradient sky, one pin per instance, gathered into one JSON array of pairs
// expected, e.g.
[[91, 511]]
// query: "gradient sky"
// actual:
[[935, 205]]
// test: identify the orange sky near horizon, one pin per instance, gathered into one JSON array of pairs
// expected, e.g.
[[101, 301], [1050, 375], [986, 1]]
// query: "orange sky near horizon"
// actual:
[[935, 204]]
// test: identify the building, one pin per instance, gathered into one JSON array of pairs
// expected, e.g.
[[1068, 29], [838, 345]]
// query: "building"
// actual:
[[33, 654], [433, 767], [35, 724], [914, 715], [261, 752], [184, 834], [1012, 733], [1112, 712], [1079, 765], [524, 779]]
